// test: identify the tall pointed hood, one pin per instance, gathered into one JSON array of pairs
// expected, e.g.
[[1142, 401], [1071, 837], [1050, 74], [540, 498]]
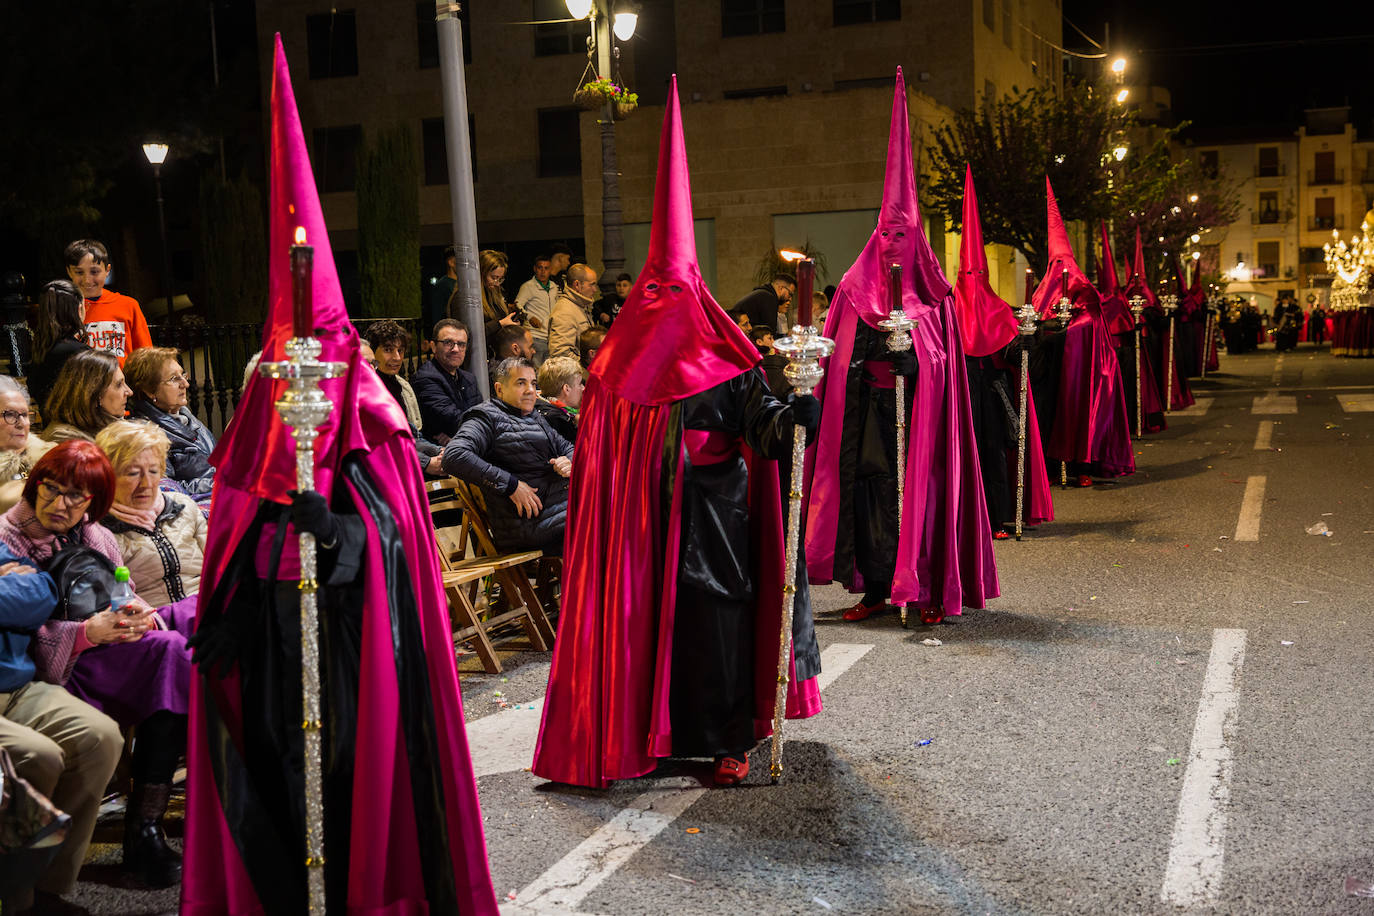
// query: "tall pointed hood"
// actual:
[[695, 345], [1114, 308], [1061, 265], [986, 322], [1137, 284], [1107, 282], [257, 453]]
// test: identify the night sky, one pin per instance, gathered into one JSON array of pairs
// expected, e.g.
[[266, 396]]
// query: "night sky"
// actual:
[[1241, 65]]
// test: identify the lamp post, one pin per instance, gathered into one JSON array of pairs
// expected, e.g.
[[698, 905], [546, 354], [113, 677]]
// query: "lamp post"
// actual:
[[601, 49], [157, 154]]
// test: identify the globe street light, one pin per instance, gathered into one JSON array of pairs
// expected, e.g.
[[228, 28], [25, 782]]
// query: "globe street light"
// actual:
[[601, 47], [157, 154]]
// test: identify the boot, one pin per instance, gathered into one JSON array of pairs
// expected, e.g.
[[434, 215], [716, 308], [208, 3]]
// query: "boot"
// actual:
[[147, 857]]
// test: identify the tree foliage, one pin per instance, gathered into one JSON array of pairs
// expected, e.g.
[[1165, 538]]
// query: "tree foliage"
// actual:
[[773, 263], [388, 181], [1014, 143], [233, 249]]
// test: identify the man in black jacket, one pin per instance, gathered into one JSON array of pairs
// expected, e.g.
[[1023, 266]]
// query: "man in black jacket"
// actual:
[[527, 493], [764, 303], [443, 387]]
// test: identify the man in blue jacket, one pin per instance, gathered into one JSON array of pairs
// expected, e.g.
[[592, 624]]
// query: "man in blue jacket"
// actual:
[[442, 386], [64, 747]]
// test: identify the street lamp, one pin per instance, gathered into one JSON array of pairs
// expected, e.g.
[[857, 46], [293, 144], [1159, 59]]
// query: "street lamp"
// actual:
[[601, 48], [1122, 95], [157, 154], [1119, 66]]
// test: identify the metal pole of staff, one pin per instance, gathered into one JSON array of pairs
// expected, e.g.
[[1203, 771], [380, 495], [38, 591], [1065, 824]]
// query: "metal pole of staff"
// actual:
[[1026, 329], [899, 341]]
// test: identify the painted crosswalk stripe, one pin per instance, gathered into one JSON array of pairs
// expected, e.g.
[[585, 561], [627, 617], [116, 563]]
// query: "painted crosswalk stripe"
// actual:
[[1193, 875], [1272, 402], [1356, 403], [1263, 435], [1251, 505], [572, 878], [1198, 409]]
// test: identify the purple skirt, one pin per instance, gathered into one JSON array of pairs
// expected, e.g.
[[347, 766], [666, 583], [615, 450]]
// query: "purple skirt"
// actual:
[[131, 681]]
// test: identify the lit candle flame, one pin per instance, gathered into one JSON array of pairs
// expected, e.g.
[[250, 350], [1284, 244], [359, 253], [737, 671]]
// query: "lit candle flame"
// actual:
[[300, 235], [790, 255]]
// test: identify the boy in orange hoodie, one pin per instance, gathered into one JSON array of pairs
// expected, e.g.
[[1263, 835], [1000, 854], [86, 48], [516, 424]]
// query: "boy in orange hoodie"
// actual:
[[114, 322]]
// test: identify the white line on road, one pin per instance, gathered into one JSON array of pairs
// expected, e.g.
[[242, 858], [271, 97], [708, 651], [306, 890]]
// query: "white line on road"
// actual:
[[1266, 432], [504, 742], [1356, 403], [568, 882], [1199, 408], [1278, 369], [1273, 402], [1251, 505], [1193, 875]]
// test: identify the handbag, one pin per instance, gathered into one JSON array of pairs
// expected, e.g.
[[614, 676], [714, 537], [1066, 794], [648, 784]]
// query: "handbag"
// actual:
[[85, 579]]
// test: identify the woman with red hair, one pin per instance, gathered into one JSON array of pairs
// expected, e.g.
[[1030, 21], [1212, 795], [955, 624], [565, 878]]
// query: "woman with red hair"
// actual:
[[132, 664]]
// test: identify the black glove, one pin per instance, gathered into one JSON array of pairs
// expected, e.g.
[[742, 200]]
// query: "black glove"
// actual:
[[310, 513], [904, 363], [216, 646], [806, 411]]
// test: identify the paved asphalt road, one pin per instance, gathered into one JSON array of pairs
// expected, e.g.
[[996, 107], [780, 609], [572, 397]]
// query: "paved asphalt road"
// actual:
[[1158, 715]]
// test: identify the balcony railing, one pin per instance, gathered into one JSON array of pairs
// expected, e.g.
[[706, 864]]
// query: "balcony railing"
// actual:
[[1270, 216], [1271, 171], [1315, 223], [1326, 176]]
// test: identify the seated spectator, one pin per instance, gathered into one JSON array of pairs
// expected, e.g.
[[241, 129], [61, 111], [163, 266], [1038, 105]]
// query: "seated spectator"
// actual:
[[65, 748], [426, 452], [773, 363], [442, 386], [741, 317], [160, 535], [89, 395], [609, 306], [570, 317], [160, 385], [133, 664], [588, 342], [390, 343], [560, 395], [508, 342], [520, 463], [820, 307], [18, 449], [57, 325], [766, 303]]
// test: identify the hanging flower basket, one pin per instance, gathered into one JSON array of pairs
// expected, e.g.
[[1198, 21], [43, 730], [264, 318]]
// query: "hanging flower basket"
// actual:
[[594, 93], [623, 109], [587, 99]]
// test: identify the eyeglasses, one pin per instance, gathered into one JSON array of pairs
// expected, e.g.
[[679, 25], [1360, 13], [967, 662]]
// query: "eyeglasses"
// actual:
[[72, 498], [15, 417], [451, 344], [178, 379]]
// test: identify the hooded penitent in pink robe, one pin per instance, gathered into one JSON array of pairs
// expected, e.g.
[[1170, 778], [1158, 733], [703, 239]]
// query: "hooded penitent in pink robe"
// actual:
[[1157, 334], [1152, 405], [987, 324], [609, 712], [943, 552], [403, 830], [1090, 411]]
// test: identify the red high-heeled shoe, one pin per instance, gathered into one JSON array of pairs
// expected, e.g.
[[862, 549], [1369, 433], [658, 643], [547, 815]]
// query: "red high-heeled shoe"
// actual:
[[861, 611]]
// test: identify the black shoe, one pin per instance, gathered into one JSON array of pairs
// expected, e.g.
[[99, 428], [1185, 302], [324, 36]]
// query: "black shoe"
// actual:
[[147, 857]]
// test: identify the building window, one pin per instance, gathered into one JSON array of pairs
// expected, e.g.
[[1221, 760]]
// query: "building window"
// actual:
[[1268, 162], [435, 150], [427, 34], [1007, 24], [1267, 259], [336, 157], [1325, 171], [751, 17], [554, 37], [331, 41], [990, 15], [855, 12], [1269, 207], [1324, 213], [560, 143], [1207, 161]]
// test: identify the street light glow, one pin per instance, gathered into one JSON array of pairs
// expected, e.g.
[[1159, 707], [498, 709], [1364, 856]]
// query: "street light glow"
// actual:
[[579, 9], [1120, 153], [1119, 66], [1192, 198], [1195, 238], [156, 152], [624, 26], [1123, 95]]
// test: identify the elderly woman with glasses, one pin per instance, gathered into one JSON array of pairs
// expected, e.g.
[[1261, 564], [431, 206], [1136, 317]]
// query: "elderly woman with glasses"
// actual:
[[161, 535], [160, 386], [18, 450], [131, 664]]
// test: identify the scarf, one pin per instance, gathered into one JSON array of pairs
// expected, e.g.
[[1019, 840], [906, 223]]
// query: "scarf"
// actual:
[[140, 518]]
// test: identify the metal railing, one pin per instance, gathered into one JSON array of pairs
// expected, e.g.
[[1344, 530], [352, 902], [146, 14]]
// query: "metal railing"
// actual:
[[1325, 176], [1325, 222], [1271, 171], [1270, 216]]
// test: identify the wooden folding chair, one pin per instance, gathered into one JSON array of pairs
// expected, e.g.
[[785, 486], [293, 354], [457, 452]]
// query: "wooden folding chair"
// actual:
[[472, 533]]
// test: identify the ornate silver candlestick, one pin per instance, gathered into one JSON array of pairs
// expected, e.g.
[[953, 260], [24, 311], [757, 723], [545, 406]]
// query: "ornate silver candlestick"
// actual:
[[804, 349], [1026, 316], [1137, 312], [305, 408], [1170, 303], [899, 341]]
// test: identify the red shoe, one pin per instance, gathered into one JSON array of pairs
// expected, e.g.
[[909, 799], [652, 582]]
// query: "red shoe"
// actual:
[[861, 611], [931, 615], [731, 769], [1085, 481], [1001, 534]]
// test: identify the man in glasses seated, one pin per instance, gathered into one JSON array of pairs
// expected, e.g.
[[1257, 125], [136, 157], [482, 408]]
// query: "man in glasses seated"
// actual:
[[442, 386]]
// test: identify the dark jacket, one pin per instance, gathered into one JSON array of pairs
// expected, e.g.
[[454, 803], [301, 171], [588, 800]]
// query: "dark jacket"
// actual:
[[443, 398], [496, 432], [761, 305], [563, 421], [42, 375], [188, 458]]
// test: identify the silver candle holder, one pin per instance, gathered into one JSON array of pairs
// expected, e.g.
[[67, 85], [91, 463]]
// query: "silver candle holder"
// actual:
[[899, 341], [1026, 328]]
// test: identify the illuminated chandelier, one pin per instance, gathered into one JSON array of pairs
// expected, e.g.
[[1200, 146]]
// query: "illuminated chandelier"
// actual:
[[1352, 265]]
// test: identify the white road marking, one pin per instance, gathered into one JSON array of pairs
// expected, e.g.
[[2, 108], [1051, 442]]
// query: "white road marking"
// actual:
[[1198, 409], [1265, 433], [1278, 370], [504, 742], [1273, 402], [568, 882], [1251, 505], [1196, 855], [1356, 403]]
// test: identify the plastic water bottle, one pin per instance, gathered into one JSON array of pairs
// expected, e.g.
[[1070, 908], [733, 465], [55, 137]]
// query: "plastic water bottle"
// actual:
[[122, 593]]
